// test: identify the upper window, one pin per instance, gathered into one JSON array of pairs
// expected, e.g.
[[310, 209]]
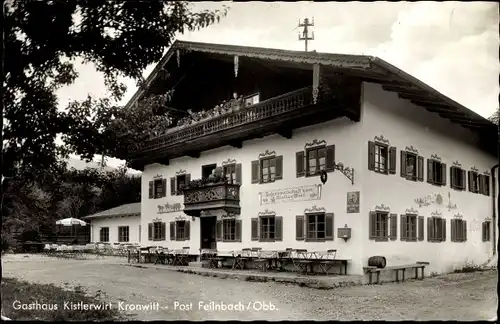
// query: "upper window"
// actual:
[[177, 182], [206, 170], [252, 99], [229, 171], [382, 158], [478, 183], [123, 233], [457, 176], [157, 188], [484, 181], [486, 231], [314, 160], [436, 172], [104, 234], [267, 169]]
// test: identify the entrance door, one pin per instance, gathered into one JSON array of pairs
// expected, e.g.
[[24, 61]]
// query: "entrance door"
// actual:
[[208, 240]]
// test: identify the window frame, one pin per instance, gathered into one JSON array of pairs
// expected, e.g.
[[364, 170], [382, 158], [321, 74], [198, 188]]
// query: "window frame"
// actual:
[[178, 191], [380, 222], [486, 231], [227, 235], [308, 237], [178, 232], [410, 226], [122, 236], [262, 232], [157, 184], [251, 96], [437, 169], [454, 171], [459, 230], [261, 169], [101, 234], [318, 165], [225, 172], [414, 176], [386, 147], [157, 229]]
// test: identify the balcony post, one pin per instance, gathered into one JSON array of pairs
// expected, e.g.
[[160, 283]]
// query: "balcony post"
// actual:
[[315, 87]]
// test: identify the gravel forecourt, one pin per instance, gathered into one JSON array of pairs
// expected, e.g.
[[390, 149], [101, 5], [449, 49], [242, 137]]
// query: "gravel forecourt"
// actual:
[[466, 297]]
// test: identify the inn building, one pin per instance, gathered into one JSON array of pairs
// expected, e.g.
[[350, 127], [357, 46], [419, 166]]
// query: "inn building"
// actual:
[[319, 151]]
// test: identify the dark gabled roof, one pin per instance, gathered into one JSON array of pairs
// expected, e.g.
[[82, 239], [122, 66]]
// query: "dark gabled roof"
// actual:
[[133, 209], [368, 68]]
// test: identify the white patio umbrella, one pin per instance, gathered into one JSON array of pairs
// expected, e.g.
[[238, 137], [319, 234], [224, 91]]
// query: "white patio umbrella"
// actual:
[[71, 221]]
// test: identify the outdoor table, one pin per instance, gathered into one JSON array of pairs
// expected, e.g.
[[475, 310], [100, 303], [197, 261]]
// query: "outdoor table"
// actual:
[[283, 258], [302, 261], [181, 257], [265, 260], [240, 258], [209, 258], [161, 257], [147, 255]]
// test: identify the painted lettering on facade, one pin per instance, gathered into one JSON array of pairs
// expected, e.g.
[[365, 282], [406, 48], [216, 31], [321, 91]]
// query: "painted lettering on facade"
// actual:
[[303, 193], [169, 208]]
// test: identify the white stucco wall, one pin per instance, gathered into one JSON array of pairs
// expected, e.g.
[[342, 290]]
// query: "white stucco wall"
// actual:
[[342, 133], [132, 222], [405, 124], [383, 113]]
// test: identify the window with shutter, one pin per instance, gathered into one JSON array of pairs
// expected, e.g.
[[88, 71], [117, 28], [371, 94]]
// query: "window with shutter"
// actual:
[[436, 172], [458, 230], [315, 227], [267, 169], [409, 166], [457, 176], [158, 188], [267, 228], [380, 157], [486, 185], [229, 171], [180, 230], [486, 231], [180, 181], [299, 227], [474, 182]]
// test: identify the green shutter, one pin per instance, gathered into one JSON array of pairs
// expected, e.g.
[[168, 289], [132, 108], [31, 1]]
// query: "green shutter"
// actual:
[[279, 167], [299, 164], [172, 231], [420, 168], [330, 158], [256, 171], [278, 225], [187, 231], [394, 227], [218, 230], [299, 227], [392, 160], [329, 225], [371, 156], [151, 189], [255, 229], [372, 225], [238, 173], [420, 227]]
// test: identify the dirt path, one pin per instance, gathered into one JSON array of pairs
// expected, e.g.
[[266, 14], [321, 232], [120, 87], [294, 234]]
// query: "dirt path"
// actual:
[[453, 297]]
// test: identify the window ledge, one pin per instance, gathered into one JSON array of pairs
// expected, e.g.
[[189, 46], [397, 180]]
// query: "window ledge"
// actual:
[[381, 239], [381, 172]]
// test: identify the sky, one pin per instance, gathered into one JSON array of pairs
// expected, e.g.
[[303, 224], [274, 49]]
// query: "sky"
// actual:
[[451, 46]]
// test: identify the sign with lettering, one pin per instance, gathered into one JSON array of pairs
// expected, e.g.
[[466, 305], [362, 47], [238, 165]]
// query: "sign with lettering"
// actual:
[[304, 193], [169, 208], [353, 202]]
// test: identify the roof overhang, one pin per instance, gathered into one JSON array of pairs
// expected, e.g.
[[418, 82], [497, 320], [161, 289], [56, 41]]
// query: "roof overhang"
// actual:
[[367, 68]]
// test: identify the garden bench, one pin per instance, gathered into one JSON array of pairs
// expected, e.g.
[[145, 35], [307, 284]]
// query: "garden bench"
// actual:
[[418, 265]]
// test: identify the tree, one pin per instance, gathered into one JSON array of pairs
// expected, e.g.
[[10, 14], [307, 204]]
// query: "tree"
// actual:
[[42, 40], [495, 117]]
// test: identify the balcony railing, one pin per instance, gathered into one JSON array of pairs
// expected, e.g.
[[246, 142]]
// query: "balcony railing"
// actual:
[[202, 196], [272, 107]]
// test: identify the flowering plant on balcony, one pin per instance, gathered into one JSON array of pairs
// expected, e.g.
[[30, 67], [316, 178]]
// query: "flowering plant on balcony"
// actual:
[[200, 183], [226, 107]]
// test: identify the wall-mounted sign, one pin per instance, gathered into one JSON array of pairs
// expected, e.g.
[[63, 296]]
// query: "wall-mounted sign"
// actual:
[[169, 208], [353, 202], [304, 193]]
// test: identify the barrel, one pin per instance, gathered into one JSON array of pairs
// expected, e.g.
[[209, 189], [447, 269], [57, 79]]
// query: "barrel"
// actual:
[[377, 261]]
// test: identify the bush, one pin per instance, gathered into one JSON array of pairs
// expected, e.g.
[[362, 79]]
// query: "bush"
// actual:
[[468, 267], [25, 293]]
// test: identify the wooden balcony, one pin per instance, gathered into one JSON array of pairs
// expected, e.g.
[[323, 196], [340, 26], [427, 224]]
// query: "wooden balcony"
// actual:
[[278, 115], [211, 196]]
